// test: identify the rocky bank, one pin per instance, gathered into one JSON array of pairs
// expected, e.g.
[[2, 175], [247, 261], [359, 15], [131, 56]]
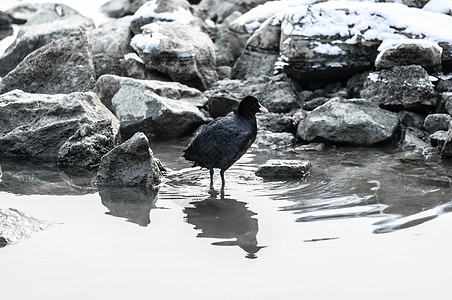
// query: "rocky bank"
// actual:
[[334, 72]]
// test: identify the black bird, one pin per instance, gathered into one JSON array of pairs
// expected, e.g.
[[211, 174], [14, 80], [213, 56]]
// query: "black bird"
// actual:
[[222, 142]]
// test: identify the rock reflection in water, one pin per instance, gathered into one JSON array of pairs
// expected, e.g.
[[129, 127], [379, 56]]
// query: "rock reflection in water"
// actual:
[[222, 218], [131, 203]]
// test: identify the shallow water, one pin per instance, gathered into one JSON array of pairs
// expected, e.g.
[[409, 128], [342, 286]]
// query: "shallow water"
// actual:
[[362, 225]]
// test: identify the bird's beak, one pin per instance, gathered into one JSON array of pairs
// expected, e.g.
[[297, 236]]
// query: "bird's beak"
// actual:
[[262, 109]]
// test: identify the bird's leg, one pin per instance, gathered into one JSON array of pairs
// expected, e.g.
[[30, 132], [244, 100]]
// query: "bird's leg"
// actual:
[[222, 178], [211, 177]]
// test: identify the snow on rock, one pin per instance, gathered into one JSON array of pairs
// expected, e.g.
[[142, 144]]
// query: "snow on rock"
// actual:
[[439, 6]]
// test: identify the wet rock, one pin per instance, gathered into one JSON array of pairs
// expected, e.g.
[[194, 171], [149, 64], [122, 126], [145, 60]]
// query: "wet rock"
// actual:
[[275, 122], [435, 122], [447, 100], [411, 119], [225, 95], [351, 121], [15, 225], [37, 125], [270, 141], [60, 67], [405, 52], [184, 53], [109, 43], [155, 107], [443, 141], [310, 147], [413, 147], [88, 144], [402, 87], [284, 168], [130, 164], [218, 11], [50, 22]]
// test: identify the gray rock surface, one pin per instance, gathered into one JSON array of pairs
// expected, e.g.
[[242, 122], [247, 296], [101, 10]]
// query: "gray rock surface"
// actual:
[[15, 225], [60, 67], [130, 164], [351, 121], [187, 55], [50, 22], [402, 87], [284, 168], [219, 10], [37, 125], [155, 107], [436, 122]]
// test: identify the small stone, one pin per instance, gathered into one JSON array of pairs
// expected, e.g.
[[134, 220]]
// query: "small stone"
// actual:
[[284, 168]]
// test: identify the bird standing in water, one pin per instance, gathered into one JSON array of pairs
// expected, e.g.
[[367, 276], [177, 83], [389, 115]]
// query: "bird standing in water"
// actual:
[[222, 142]]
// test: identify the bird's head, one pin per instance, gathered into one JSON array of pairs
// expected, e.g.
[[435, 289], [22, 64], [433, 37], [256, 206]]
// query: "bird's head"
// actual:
[[249, 106]]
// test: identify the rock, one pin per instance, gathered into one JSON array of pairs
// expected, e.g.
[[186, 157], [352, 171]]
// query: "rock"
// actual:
[[447, 99], [6, 21], [134, 67], [284, 168], [184, 53], [121, 8], [37, 125], [356, 83], [15, 225], [411, 119], [226, 50], [218, 11], [329, 41], [402, 87], [88, 144], [351, 121], [443, 141], [277, 96], [157, 108], [275, 122], [444, 83], [271, 141], [60, 67], [406, 52], [260, 54], [109, 43], [316, 102], [51, 22], [158, 10], [130, 164], [435, 122]]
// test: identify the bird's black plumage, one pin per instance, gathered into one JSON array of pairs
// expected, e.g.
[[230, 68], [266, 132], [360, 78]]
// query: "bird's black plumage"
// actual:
[[222, 142]]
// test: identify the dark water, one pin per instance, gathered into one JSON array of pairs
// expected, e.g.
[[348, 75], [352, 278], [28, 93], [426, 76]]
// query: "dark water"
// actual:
[[359, 211]]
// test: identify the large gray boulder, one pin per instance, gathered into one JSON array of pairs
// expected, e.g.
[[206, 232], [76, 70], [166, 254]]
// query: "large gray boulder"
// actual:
[[436, 122], [130, 164], [402, 87], [60, 67], [37, 125], [155, 107], [15, 225], [219, 10], [187, 55], [406, 52], [52, 21], [350, 121]]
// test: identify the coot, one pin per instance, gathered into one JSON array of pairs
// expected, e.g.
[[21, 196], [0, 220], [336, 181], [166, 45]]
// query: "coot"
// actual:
[[222, 142]]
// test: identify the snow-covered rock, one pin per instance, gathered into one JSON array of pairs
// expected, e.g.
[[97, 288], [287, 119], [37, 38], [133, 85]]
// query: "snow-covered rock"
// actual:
[[187, 55]]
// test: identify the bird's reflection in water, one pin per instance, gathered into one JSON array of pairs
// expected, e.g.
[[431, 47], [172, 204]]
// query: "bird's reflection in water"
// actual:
[[132, 203], [229, 219]]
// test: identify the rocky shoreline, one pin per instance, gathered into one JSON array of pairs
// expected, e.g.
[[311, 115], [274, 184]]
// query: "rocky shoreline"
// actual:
[[330, 72]]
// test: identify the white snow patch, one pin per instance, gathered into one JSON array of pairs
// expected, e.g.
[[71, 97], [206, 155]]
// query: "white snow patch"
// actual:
[[439, 6], [394, 44], [147, 10], [327, 49], [133, 56], [147, 42]]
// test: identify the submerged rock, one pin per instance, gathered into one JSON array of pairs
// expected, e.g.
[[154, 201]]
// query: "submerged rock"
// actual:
[[284, 168], [37, 125], [15, 225], [402, 87], [60, 67], [351, 121], [130, 164], [50, 22]]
